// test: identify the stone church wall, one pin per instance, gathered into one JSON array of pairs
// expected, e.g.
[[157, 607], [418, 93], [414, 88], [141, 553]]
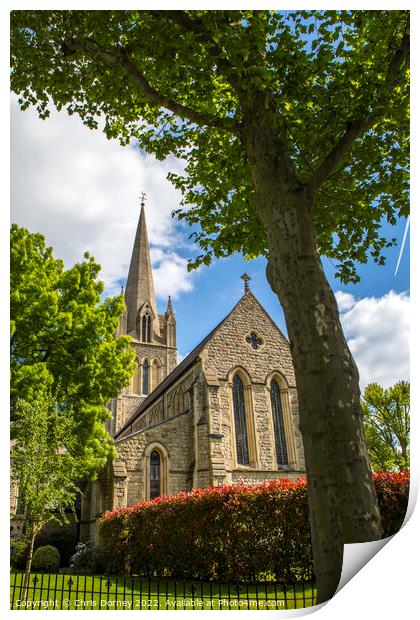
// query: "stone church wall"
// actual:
[[169, 423], [175, 436], [221, 358]]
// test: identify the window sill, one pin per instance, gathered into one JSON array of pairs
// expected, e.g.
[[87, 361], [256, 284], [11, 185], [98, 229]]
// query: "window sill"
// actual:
[[250, 467]]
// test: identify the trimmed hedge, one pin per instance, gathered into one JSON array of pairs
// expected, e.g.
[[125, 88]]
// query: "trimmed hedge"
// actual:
[[228, 533], [46, 558], [392, 491], [221, 533], [64, 540]]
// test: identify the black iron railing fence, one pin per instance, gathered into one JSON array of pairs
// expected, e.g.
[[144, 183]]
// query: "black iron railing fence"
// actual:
[[57, 591]]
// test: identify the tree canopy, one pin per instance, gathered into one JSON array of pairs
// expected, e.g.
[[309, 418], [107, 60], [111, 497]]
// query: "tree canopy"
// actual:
[[386, 417], [46, 475], [293, 127], [178, 82], [62, 338]]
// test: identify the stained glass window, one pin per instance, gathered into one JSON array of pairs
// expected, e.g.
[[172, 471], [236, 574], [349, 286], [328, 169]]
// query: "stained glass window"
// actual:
[[154, 474], [145, 386], [278, 422], [239, 414]]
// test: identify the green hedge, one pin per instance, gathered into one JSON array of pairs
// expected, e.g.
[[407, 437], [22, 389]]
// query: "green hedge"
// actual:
[[228, 533], [65, 541], [46, 559]]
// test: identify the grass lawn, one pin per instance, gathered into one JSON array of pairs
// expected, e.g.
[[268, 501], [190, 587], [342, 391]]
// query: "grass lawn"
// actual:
[[52, 591]]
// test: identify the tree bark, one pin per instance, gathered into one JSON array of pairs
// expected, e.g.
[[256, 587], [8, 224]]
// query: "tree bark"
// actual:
[[342, 499]]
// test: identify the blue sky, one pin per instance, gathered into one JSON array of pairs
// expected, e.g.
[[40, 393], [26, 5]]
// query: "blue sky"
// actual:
[[218, 287], [82, 192]]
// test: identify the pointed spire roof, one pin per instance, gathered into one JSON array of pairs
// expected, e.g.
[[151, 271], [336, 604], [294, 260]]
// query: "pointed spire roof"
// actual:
[[169, 309], [140, 289]]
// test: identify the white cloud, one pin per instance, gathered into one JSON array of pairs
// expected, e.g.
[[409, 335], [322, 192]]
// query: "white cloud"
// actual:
[[378, 334], [82, 192], [169, 271], [345, 301]]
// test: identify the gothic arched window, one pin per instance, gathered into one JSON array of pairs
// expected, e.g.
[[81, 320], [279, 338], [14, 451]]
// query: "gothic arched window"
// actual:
[[239, 414], [278, 423], [145, 383], [154, 474], [146, 325]]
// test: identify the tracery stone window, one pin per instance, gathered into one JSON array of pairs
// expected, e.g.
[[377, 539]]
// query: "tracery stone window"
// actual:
[[145, 378], [146, 327], [254, 340], [154, 474], [278, 424], [156, 467], [239, 414]]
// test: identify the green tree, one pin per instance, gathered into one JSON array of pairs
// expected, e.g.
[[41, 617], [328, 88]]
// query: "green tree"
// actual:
[[46, 474], [294, 131], [62, 334], [386, 421]]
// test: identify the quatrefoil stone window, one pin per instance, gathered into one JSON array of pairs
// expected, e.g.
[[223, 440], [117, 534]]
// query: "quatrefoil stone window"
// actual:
[[254, 340]]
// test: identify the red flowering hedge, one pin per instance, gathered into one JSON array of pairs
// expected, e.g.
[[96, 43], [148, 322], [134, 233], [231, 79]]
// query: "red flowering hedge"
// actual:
[[228, 533], [392, 491]]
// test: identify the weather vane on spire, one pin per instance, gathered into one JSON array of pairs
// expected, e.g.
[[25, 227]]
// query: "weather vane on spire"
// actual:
[[246, 278], [143, 198]]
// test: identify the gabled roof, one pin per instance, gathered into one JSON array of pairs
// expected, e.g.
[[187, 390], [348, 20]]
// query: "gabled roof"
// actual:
[[186, 363]]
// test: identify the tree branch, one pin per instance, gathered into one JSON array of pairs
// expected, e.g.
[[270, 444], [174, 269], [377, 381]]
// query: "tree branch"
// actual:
[[121, 59], [196, 27], [357, 127], [192, 25]]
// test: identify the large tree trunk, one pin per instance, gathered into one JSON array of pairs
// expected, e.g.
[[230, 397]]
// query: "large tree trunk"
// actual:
[[342, 498]]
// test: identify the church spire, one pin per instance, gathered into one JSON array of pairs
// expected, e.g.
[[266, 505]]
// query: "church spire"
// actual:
[[140, 290], [170, 308], [170, 324]]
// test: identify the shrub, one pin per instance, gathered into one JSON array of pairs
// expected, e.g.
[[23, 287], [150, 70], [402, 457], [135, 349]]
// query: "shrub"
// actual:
[[392, 490], [84, 557], [88, 556], [228, 533], [65, 542], [224, 533], [46, 559], [18, 553]]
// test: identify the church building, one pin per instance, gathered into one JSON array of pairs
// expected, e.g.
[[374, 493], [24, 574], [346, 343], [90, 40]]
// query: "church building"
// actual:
[[226, 414]]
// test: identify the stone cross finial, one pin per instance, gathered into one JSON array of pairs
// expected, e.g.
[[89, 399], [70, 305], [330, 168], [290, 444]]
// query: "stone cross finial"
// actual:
[[143, 198], [246, 278]]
